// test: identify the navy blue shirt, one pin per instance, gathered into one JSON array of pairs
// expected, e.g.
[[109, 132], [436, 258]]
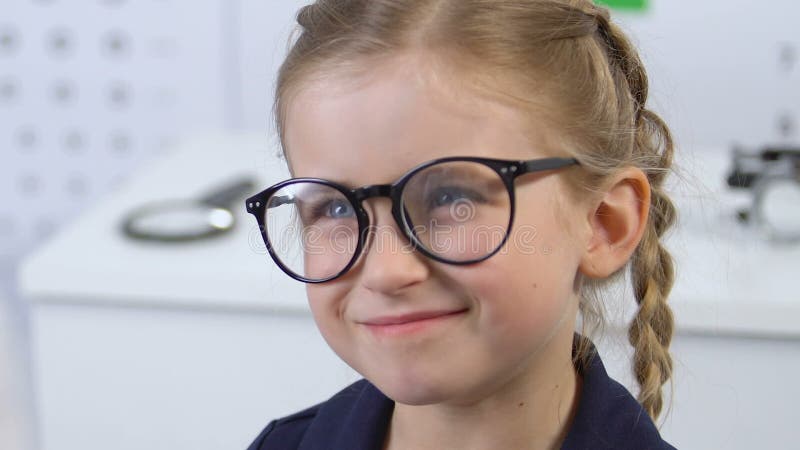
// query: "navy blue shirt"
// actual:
[[357, 418]]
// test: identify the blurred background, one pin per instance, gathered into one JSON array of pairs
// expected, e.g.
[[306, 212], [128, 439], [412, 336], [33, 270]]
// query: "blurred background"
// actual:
[[111, 342]]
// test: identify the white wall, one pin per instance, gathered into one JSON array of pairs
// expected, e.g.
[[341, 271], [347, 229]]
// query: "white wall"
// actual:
[[715, 67], [89, 90]]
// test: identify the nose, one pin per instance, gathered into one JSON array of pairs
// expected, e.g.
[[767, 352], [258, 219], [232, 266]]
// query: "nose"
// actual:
[[389, 263]]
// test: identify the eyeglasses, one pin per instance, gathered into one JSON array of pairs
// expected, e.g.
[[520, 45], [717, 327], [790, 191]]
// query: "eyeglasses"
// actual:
[[455, 210]]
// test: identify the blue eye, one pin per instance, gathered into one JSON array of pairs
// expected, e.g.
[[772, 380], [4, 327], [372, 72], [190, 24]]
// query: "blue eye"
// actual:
[[338, 209], [325, 208]]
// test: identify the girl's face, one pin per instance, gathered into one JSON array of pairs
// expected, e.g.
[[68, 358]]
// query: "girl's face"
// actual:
[[508, 318]]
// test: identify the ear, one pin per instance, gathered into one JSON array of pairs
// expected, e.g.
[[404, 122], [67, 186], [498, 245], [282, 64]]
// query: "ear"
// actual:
[[617, 222]]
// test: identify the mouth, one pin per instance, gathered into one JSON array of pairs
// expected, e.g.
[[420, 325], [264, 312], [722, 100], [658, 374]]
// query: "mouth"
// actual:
[[410, 323]]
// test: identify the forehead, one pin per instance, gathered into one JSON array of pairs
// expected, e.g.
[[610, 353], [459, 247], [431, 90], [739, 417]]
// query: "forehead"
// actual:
[[372, 127]]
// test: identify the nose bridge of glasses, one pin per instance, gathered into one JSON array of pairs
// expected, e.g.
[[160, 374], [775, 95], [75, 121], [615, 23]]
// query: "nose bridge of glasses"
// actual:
[[375, 191], [371, 191]]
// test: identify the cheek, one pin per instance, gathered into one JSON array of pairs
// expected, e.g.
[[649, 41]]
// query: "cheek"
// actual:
[[523, 291], [517, 289]]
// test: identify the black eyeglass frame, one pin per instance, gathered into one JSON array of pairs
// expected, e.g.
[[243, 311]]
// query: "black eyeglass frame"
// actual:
[[508, 170]]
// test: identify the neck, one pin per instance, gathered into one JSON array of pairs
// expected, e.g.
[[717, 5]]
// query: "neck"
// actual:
[[533, 410]]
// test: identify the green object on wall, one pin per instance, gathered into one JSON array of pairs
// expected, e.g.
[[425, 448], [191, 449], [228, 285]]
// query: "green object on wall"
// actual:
[[630, 5]]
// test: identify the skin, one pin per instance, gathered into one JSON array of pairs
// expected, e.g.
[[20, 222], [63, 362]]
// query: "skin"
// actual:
[[499, 374]]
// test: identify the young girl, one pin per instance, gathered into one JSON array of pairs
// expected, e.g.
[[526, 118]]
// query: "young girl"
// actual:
[[467, 175]]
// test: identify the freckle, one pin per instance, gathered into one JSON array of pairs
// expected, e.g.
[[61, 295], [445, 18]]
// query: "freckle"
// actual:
[[535, 285], [521, 403]]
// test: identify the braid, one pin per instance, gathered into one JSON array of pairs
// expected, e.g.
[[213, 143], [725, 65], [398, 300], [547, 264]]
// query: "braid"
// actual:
[[650, 332], [652, 271]]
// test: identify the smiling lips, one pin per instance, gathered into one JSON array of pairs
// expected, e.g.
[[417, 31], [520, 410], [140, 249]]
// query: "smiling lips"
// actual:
[[409, 323]]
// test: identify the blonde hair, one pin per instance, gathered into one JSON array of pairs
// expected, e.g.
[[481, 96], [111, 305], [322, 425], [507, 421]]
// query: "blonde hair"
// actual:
[[565, 51]]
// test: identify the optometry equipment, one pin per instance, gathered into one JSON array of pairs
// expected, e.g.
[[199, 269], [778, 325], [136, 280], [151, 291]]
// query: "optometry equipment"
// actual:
[[773, 177], [456, 210], [189, 219]]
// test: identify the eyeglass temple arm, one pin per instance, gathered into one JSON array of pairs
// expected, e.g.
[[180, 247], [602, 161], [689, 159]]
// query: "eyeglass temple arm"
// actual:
[[538, 165]]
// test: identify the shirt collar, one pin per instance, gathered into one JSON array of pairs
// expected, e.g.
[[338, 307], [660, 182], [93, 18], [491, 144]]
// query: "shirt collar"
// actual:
[[358, 417]]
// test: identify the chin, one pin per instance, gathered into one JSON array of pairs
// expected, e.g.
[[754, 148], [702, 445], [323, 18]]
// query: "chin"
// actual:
[[411, 395], [413, 390]]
